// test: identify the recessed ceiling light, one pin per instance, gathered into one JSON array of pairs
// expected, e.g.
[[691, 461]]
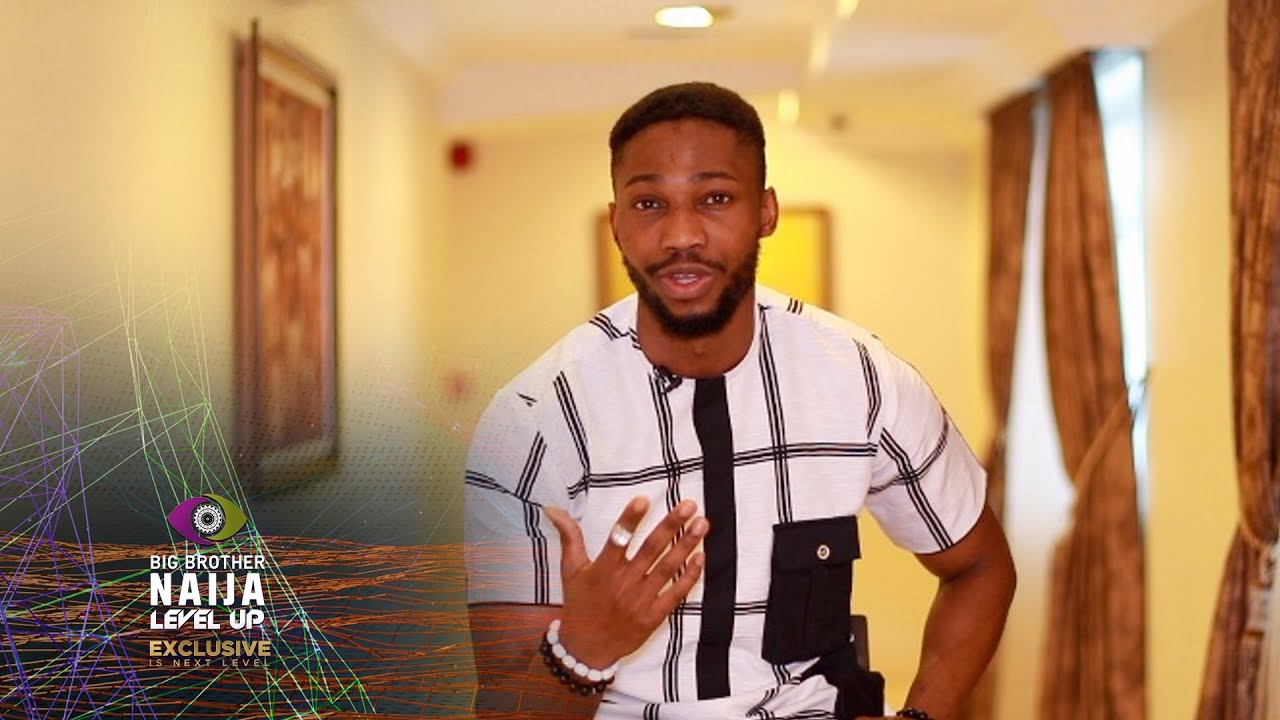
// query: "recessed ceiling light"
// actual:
[[789, 107], [819, 50], [684, 16]]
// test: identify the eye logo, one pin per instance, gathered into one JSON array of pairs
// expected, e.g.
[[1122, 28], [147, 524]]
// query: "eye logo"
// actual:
[[207, 519]]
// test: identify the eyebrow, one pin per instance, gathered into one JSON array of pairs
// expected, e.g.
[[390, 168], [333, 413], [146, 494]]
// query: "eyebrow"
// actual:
[[696, 177]]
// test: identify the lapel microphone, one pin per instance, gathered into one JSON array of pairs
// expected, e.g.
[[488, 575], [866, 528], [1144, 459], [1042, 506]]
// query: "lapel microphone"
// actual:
[[670, 381]]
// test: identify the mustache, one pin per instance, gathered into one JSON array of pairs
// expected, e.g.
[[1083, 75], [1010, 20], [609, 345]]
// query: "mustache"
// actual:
[[683, 257]]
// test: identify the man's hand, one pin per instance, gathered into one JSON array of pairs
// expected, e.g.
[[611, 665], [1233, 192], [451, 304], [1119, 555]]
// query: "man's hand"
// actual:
[[613, 604]]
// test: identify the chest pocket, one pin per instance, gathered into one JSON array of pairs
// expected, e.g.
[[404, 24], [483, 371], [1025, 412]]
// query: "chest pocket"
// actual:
[[810, 582]]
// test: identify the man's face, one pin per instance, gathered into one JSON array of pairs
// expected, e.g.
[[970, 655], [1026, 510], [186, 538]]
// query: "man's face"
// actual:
[[688, 215]]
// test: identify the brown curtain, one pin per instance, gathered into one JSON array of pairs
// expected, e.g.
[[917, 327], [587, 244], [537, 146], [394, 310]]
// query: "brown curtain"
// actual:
[[1230, 690], [1011, 144], [1094, 664], [1011, 147]]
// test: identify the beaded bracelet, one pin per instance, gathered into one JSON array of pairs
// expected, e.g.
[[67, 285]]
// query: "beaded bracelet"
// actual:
[[577, 675], [914, 714]]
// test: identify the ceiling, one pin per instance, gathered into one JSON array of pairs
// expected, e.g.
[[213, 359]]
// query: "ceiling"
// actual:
[[499, 62]]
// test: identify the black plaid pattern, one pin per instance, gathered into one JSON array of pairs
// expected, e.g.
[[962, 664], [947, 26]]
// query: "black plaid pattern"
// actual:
[[693, 465], [825, 423], [777, 421]]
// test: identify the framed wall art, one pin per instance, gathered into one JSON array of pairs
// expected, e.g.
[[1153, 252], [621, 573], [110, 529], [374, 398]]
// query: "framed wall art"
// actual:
[[286, 392]]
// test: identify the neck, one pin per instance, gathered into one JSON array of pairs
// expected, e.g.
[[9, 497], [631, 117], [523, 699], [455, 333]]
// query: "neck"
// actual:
[[702, 357]]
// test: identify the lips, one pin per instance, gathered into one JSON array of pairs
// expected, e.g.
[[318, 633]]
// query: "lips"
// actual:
[[686, 282]]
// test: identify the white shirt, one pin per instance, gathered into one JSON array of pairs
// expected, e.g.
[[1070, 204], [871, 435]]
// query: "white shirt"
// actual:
[[825, 422]]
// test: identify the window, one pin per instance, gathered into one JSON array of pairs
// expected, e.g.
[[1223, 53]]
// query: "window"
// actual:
[[1118, 75], [1039, 492]]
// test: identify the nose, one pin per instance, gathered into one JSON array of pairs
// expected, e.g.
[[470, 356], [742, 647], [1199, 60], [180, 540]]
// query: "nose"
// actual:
[[682, 230]]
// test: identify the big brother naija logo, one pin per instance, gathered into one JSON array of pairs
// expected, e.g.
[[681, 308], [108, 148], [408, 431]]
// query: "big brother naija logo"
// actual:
[[207, 519], [213, 591]]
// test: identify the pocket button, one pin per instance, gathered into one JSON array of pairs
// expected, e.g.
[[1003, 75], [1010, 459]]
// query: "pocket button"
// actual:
[[824, 552]]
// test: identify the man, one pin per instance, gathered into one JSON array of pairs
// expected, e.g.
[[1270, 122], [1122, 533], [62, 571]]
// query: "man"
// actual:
[[663, 506]]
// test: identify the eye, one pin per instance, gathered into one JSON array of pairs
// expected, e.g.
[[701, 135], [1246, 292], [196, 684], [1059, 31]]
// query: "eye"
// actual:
[[718, 198], [207, 519], [646, 203]]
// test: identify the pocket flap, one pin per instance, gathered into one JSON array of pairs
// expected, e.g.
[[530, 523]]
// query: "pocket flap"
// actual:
[[813, 543]]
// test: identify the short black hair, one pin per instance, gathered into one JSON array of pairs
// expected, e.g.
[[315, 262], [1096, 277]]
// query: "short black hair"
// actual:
[[696, 100]]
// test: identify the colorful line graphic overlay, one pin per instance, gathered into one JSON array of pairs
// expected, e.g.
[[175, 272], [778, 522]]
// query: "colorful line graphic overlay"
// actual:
[[359, 631], [61, 637], [355, 629]]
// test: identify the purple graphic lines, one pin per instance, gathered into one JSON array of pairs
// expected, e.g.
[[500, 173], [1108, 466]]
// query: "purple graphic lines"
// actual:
[[60, 642]]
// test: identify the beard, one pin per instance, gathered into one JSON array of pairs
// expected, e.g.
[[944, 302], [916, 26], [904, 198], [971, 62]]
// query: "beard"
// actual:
[[741, 279]]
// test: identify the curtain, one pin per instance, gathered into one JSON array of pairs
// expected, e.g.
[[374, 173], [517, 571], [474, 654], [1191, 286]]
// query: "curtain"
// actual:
[[1011, 146], [1235, 687], [1094, 663]]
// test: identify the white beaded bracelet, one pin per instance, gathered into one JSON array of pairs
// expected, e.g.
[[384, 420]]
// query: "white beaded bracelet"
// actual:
[[571, 671]]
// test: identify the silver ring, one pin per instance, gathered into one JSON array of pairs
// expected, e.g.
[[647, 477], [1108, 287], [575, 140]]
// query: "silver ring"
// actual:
[[620, 536]]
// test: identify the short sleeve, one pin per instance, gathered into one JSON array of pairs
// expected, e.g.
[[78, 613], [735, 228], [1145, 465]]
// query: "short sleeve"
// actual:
[[512, 550], [927, 488]]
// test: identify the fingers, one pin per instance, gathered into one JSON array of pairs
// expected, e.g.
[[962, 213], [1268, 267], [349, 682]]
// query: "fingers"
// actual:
[[667, 601], [673, 561], [573, 549], [660, 538], [613, 553]]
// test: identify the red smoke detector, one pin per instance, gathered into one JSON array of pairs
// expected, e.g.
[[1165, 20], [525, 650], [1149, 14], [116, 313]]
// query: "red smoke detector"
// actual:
[[460, 155]]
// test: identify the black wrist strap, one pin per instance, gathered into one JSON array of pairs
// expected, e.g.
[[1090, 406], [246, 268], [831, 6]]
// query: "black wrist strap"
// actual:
[[914, 714]]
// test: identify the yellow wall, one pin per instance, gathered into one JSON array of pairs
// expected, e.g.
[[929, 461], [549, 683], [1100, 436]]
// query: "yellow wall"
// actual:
[[115, 144], [908, 263], [1193, 495], [116, 149]]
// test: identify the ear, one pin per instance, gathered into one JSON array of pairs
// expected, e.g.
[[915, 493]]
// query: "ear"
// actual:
[[613, 221], [768, 212]]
